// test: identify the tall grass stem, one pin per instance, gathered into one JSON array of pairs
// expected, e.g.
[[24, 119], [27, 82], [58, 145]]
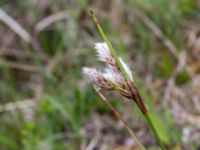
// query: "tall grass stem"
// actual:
[[123, 71], [153, 128]]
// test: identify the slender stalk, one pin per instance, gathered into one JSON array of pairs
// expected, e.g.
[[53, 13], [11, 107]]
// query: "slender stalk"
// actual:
[[135, 94], [153, 128], [113, 52], [121, 119]]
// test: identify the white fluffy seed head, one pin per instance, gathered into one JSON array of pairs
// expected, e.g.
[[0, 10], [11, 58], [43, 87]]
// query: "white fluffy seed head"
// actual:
[[96, 78], [103, 52], [91, 74], [113, 76], [127, 69]]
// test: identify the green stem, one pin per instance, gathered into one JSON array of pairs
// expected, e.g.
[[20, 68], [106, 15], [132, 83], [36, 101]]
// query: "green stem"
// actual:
[[153, 128]]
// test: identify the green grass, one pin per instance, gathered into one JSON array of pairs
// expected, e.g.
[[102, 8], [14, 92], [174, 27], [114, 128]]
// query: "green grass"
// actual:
[[69, 103]]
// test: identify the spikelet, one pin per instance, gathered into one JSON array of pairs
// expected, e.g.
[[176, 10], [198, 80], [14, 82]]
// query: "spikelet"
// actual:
[[104, 54], [111, 78], [96, 78]]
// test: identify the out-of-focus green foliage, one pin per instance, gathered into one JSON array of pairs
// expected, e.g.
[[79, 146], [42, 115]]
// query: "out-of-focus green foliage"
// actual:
[[68, 106]]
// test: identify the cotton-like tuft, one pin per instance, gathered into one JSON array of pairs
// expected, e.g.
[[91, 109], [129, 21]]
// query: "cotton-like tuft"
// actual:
[[113, 76], [127, 69], [96, 78], [91, 74], [103, 52]]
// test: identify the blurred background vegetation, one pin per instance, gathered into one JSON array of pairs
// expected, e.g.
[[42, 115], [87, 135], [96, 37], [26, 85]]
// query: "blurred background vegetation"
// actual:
[[45, 104]]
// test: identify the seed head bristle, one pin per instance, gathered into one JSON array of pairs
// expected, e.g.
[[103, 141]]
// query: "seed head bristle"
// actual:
[[96, 78], [113, 76], [127, 69], [104, 54], [91, 74]]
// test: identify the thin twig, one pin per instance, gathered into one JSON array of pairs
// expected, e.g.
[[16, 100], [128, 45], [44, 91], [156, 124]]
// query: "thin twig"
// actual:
[[120, 118], [15, 26], [44, 23], [19, 30]]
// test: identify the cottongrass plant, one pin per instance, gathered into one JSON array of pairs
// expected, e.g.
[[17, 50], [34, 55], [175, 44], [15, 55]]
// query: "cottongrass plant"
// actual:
[[110, 79], [117, 76]]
